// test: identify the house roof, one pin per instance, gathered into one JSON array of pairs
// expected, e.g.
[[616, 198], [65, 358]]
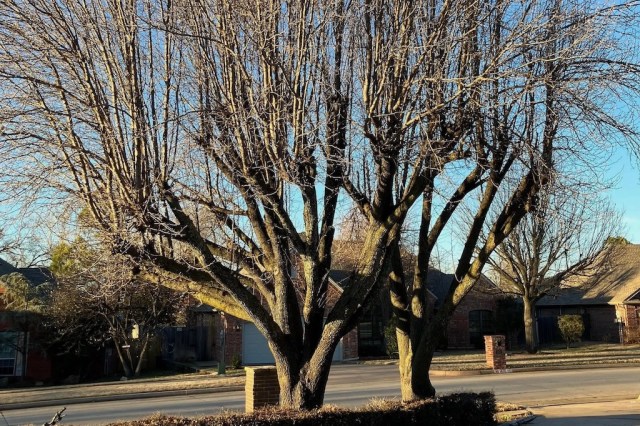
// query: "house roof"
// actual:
[[340, 277], [615, 279], [35, 275], [6, 268], [438, 284]]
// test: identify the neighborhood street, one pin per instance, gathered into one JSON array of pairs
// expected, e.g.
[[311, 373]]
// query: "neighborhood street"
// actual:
[[352, 385]]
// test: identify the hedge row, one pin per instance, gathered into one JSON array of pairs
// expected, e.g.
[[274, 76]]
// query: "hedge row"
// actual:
[[450, 410]]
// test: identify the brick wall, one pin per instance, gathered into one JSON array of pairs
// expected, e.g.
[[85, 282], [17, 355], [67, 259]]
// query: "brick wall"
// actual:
[[458, 328], [232, 336], [261, 388], [629, 315], [495, 352], [350, 345]]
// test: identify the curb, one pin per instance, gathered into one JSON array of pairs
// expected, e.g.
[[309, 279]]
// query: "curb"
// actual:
[[119, 397], [520, 421], [458, 373]]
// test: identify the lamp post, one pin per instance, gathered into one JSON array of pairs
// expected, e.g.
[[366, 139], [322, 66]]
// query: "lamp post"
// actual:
[[620, 323], [222, 369]]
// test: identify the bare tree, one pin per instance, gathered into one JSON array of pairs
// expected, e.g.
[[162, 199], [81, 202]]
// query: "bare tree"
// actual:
[[544, 104], [211, 141], [98, 300], [558, 241]]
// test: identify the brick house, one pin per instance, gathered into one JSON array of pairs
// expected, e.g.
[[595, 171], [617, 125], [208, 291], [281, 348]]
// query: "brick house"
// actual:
[[474, 317], [19, 332], [208, 333], [608, 298]]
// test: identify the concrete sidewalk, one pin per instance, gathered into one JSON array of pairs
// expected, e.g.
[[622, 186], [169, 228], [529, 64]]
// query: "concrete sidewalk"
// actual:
[[617, 413]]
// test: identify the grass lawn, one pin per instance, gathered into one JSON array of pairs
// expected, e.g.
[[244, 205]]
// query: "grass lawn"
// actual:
[[586, 353]]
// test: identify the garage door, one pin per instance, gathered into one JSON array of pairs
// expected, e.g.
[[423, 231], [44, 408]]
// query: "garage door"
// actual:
[[255, 350]]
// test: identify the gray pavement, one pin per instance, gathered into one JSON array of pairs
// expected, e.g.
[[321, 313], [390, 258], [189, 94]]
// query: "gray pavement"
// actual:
[[617, 413], [561, 397]]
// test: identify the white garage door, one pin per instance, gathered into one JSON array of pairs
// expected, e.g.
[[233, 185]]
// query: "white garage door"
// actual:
[[255, 350]]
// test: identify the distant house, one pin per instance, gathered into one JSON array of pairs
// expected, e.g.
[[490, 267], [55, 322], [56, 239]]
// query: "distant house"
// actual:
[[474, 317], [213, 335], [19, 331], [608, 299], [243, 340]]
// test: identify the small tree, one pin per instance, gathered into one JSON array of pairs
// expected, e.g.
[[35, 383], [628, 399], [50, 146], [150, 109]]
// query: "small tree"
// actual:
[[571, 327], [99, 299], [558, 242]]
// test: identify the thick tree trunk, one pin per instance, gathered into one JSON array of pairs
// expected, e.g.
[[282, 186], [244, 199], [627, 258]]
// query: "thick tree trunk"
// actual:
[[531, 338], [414, 365], [304, 388]]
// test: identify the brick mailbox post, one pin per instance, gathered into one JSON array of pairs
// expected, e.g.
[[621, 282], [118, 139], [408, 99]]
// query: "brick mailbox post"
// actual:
[[261, 388], [496, 352]]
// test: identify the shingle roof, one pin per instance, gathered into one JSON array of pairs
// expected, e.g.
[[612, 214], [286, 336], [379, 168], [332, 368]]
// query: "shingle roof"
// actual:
[[35, 275], [340, 277], [615, 279], [6, 268], [438, 283]]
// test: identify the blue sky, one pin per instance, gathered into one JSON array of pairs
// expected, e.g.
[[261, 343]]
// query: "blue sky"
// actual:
[[625, 193]]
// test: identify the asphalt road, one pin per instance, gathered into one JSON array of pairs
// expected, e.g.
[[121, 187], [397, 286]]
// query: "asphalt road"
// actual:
[[352, 385]]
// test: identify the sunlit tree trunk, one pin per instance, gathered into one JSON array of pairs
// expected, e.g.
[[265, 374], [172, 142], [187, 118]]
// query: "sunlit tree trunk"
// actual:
[[530, 331]]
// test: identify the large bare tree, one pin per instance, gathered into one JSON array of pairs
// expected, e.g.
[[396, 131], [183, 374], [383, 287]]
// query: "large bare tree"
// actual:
[[557, 242], [543, 104], [211, 140]]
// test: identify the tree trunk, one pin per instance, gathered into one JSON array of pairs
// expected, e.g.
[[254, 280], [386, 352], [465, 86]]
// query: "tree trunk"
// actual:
[[143, 351], [531, 338], [123, 361], [24, 353], [302, 389], [414, 365]]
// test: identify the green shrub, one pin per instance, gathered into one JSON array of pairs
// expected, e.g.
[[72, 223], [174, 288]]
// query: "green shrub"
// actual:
[[571, 327], [390, 338], [236, 361], [449, 410]]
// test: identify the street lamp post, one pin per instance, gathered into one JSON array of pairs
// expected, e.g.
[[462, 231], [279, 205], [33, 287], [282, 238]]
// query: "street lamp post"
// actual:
[[620, 323], [222, 368]]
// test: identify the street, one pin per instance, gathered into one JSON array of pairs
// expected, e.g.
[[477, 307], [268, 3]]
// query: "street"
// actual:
[[353, 385]]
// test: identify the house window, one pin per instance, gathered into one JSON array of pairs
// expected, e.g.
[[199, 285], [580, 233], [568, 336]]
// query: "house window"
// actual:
[[8, 345], [480, 324]]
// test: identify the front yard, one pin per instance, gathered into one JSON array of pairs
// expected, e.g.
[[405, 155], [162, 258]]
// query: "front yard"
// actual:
[[586, 353]]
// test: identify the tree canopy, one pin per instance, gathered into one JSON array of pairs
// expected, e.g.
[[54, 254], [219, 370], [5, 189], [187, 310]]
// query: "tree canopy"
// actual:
[[214, 141]]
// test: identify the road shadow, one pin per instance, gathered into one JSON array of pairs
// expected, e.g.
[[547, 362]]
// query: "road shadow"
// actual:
[[609, 419]]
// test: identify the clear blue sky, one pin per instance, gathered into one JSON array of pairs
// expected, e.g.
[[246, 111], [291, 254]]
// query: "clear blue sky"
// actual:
[[625, 193]]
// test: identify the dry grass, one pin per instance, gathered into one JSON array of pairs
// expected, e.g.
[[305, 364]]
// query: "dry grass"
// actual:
[[584, 354], [170, 383]]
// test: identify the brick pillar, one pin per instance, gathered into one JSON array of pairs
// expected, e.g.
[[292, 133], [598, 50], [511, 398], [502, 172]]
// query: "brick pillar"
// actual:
[[261, 388], [494, 347]]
